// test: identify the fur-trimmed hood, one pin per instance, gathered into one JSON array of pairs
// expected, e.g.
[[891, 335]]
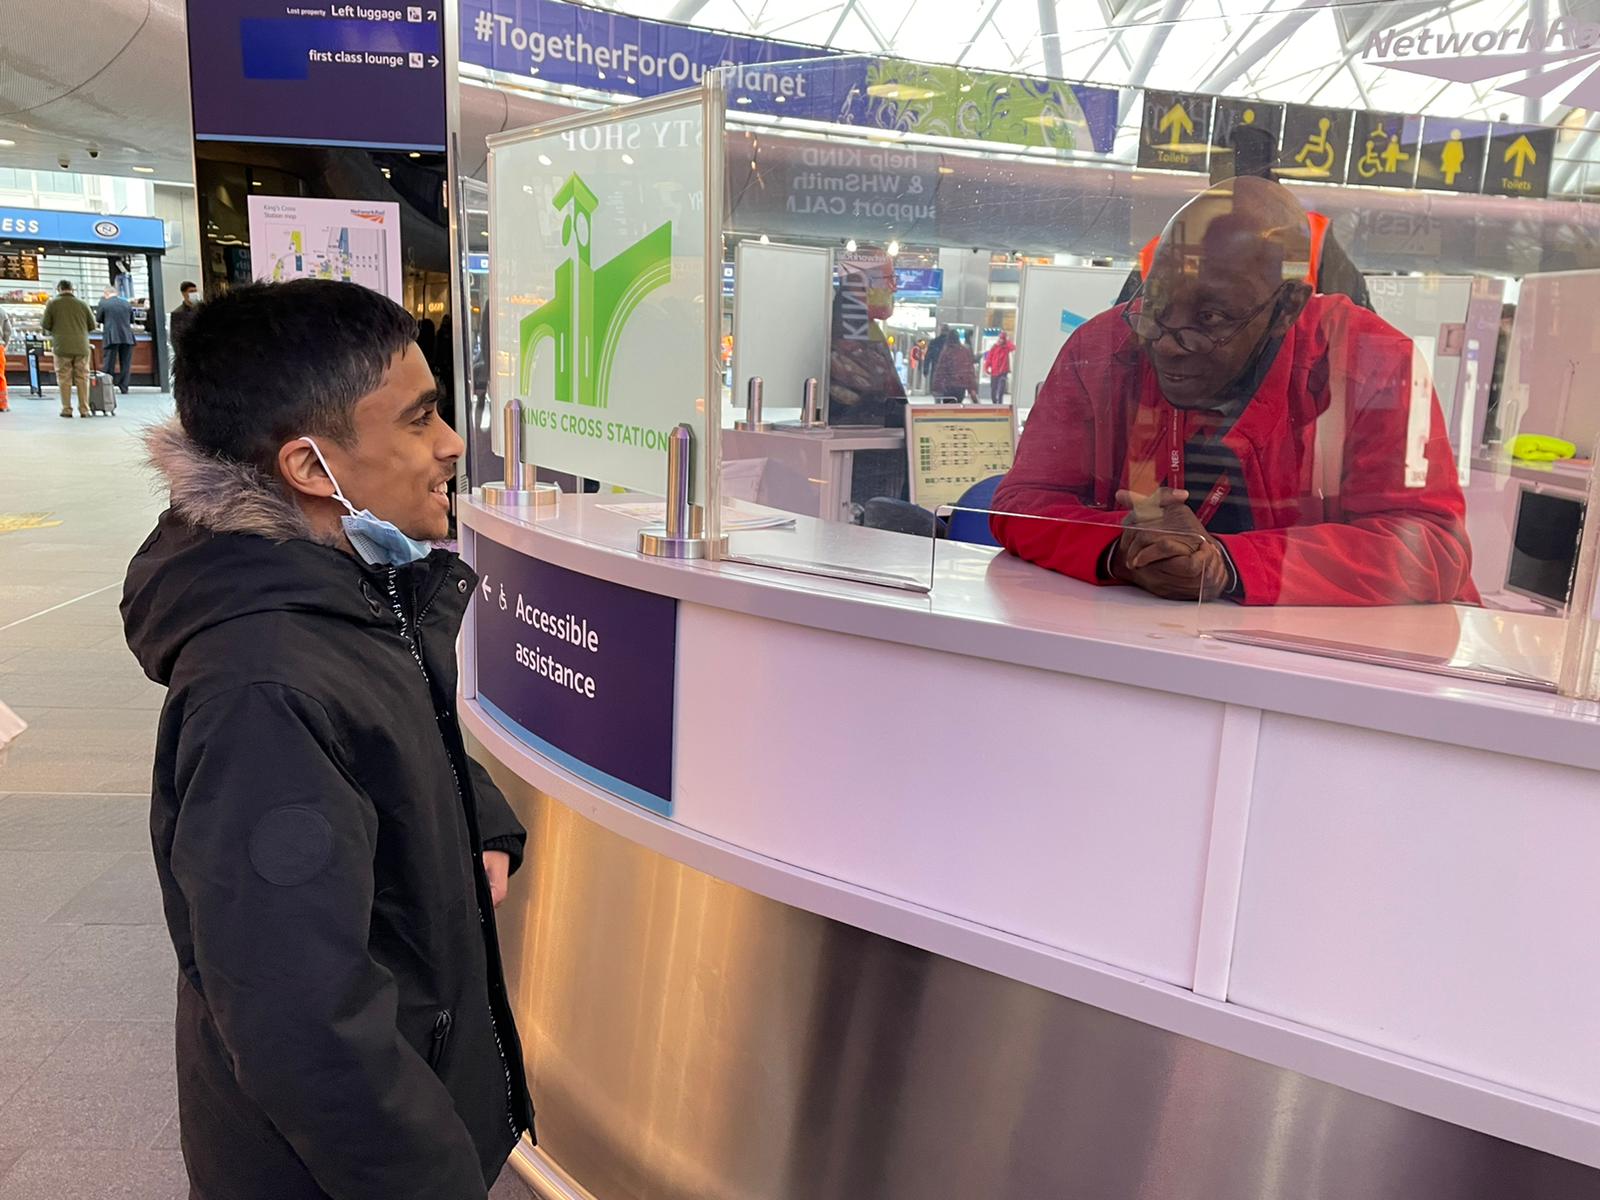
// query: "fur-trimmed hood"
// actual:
[[210, 492], [231, 545]]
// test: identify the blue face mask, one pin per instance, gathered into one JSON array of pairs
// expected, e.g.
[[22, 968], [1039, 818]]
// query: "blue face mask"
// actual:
[[378, 542]]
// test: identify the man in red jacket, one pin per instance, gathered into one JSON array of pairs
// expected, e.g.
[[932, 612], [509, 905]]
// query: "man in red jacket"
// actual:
[[1227, 433]]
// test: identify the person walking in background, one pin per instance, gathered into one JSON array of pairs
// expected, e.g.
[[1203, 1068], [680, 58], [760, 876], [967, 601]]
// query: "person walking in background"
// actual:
[[930, 357], [998, 363], [184, 313], [115, 315], [69, 322], [956, 375], [5, 336]]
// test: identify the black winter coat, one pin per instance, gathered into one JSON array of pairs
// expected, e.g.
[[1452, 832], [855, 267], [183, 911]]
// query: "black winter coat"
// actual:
[[343, 1028]]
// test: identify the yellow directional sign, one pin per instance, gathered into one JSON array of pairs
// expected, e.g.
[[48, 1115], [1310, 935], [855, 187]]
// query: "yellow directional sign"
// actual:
[[1174, 132], [1178, 120], [1383, 152], [1451, 154], [1521, 152], [1316, 142], [1519, 161]]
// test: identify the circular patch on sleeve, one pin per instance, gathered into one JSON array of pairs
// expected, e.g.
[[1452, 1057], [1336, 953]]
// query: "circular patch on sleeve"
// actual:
[[290, 845]]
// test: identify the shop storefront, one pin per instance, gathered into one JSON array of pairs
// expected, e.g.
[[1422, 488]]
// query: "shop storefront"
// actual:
[[39, 248]]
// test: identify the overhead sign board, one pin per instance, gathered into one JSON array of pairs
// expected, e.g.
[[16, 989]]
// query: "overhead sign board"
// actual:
[[1519, 161], [580, 669], [46, 227], [1175, 131], [1451, 154], [1383, 150], [588, 47], [357, 74], [1315, 143], [1230, 114]]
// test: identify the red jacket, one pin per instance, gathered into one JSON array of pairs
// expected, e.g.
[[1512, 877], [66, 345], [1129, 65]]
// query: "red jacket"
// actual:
[[1367, 528]]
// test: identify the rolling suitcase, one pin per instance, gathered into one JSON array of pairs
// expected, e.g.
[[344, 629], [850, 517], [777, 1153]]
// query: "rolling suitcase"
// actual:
[[102, 394]]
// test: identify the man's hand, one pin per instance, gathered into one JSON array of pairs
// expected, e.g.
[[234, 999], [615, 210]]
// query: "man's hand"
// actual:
[[497, 866], [1165, 549]]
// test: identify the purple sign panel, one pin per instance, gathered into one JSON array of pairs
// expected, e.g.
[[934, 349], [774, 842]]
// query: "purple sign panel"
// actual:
[[582, 670], [317, 72]]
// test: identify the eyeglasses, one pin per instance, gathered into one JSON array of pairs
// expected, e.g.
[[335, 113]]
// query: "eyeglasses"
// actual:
[[1148, 327]]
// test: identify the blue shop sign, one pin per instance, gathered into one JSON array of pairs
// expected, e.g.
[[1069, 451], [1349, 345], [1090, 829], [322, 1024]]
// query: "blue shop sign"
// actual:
[[580, 669], [46, 226]]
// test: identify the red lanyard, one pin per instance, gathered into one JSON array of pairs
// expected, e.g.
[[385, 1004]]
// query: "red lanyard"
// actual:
[[1175, 471]]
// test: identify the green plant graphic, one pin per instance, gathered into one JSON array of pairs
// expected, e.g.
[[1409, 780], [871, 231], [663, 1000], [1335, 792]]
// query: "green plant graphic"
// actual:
[[583, 322], [954, 102]]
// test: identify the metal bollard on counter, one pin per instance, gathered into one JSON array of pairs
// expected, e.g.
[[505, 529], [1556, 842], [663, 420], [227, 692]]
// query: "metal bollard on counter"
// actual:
[[521, 488], [683, 535], [753, 420]]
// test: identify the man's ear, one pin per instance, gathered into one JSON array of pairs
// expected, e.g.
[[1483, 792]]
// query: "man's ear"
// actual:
[[1290, 305], [300, 469]]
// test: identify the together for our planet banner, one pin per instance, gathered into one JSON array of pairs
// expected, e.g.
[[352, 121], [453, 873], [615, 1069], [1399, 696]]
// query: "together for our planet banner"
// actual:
[[563, 43]]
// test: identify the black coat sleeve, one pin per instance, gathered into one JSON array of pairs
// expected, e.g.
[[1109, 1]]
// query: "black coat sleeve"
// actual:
[[273, 852], [498, 827]]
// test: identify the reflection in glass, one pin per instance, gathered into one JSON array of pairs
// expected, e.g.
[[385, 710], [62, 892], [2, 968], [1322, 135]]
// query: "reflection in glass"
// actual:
[[1295, 434]]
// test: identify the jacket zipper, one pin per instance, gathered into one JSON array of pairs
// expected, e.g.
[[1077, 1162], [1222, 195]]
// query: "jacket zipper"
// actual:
[[441, 1035], [412, 643]]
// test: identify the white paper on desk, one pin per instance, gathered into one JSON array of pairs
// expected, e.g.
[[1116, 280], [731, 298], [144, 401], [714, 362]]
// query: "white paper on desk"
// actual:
[[734, 518]]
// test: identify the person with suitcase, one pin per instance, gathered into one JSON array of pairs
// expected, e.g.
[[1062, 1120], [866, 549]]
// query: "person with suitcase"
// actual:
[[69, 321], [115, 315]]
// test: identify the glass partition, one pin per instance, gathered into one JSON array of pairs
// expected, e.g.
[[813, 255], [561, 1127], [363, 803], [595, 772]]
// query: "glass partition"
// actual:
[[1365, 408], [596, 323]]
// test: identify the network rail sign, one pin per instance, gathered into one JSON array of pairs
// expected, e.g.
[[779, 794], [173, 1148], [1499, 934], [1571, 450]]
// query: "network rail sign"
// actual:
[[1548, 55]]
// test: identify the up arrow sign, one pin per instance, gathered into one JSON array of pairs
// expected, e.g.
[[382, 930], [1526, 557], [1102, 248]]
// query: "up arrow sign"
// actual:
[[487, 591], [1523, 153], [1177, 119]]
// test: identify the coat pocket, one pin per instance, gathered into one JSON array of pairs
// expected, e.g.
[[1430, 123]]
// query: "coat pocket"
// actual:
[[440, 1039]]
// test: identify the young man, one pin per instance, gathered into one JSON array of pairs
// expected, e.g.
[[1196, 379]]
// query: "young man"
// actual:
[[998, 363], [180, 317], [1228, 433], [69, 321], [329, 856]]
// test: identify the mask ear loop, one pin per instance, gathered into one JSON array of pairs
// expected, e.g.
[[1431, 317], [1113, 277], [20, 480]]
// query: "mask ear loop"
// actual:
[[338, 493]]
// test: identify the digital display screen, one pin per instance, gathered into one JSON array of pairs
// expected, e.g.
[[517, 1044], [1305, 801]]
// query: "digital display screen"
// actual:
[[1545, 546], [953, 447], [358, 74]]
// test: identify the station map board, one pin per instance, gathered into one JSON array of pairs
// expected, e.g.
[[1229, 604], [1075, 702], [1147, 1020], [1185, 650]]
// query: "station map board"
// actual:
[[952, 447]]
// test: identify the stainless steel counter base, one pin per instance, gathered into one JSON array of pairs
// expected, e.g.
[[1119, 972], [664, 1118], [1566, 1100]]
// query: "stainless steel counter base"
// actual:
[[689, 1040]]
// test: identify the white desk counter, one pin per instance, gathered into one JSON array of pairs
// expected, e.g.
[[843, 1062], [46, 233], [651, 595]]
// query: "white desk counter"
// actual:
[[1361, 876]]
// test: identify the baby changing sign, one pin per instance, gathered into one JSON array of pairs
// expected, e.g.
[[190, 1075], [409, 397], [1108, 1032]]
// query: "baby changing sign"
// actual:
[[580, 669]]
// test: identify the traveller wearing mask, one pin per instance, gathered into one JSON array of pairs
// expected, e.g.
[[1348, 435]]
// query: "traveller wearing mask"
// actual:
[[329, 855]]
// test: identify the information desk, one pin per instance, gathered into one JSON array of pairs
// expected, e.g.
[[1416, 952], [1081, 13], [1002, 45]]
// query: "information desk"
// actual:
[[1022, 888]]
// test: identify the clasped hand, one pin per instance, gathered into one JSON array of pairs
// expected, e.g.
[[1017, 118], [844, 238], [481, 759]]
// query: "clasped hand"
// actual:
[[1165, 550]]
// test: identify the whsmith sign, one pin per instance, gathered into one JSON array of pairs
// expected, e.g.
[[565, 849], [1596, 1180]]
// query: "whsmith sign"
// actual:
[[1550, 55]]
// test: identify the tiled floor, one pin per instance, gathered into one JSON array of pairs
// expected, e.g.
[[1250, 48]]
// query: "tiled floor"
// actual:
[[88, 1109]]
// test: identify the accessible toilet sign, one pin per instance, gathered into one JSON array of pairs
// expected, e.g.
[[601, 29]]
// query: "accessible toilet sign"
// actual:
[[582, 670]]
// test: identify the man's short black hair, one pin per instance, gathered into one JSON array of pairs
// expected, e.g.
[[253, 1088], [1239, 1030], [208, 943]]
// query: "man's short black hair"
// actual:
[[269, 362], [64, 286], [188, 285]]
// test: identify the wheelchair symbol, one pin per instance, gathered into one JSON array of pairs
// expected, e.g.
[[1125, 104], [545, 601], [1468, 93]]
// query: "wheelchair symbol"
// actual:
[[1317, 145]]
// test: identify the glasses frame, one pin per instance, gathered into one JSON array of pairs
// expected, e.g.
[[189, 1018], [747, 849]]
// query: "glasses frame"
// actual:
[[1178, 332]]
